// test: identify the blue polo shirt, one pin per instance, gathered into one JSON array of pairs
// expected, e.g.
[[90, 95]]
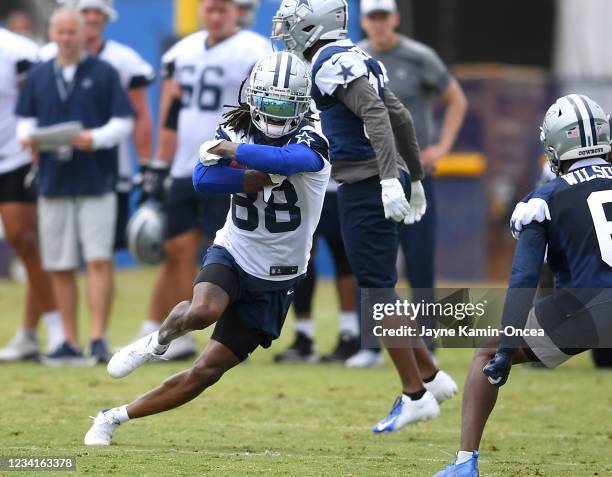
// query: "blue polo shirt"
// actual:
[[93, 97]]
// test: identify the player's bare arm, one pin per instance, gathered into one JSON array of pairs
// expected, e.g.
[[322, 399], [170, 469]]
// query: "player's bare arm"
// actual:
[[143, 124], [456, 108]]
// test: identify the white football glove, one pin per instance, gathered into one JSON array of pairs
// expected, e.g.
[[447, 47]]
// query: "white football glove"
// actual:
[[418, 203], [394, 200], [206, 158], [277, 179]]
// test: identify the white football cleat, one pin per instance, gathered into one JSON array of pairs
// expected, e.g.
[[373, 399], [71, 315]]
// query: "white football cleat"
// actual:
[[101, 431], [406, 411], [133, 356], [443, 387], [366, 358]]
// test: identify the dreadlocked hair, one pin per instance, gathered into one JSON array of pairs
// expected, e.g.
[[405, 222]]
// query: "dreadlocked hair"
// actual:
[[239, 117]]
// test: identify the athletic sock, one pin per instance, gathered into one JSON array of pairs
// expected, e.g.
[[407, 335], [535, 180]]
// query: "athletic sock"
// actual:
[[463, 456], [148, 326], [55, 330], [430, 379], [118, 413], [416, 396], [305, 327], [349, 323]]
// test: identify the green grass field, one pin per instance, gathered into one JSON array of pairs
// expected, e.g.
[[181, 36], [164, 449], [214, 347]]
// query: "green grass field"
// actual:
[[270, 420]]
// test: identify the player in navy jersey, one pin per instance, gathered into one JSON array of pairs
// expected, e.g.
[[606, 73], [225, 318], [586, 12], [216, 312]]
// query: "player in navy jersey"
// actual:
[[568, 216], [249, 275], [375, 159]]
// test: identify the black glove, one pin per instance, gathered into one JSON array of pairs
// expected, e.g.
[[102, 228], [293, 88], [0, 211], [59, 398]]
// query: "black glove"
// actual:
[[498, 369], [153, 180]]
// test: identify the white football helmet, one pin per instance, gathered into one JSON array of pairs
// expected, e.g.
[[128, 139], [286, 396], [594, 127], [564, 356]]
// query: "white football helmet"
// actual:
[[299, 24], [279, 93], [575, 127]]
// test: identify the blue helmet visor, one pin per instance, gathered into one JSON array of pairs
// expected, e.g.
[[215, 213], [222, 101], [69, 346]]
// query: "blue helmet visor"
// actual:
[[275, 107]]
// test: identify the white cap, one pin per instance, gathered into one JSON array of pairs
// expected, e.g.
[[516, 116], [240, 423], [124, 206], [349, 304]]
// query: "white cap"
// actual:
[[105, 6], [369, 7]]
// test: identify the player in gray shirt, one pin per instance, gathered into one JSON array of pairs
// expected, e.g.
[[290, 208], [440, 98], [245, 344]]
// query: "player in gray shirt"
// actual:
[[418, 77]]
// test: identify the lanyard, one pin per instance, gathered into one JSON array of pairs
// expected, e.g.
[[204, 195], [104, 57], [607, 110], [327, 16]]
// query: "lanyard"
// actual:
[[64, 88]]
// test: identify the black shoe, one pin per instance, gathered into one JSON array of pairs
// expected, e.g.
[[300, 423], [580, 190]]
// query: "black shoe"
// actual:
[[66, 354], [99, 351], [301, 351], [347, 346]]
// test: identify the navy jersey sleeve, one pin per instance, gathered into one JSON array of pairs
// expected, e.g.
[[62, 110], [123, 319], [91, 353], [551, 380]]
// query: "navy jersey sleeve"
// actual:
[[120, 106], [526, 267], [26, 104]]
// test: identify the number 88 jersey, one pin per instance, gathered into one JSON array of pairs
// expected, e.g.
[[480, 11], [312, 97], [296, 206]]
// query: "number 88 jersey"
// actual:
[[209, 78], [272, 239]]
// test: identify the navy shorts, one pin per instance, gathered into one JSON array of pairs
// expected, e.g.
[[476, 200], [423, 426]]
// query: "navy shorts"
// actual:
[[329, 224], [570, 322], [13, 189], [187, 209], [123, 217], [257, 308], [371, 241], [418, 242]]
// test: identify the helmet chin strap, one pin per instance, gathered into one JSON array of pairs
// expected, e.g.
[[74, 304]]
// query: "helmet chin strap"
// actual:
[[553, 159]]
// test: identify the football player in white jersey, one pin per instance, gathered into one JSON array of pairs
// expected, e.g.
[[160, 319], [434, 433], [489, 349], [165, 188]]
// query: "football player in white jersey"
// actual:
[[202, 73], [135, 75], [18, 203], [249, 275]]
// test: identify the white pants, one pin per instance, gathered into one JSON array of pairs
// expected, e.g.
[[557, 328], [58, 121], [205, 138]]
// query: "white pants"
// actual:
[[68, 225]]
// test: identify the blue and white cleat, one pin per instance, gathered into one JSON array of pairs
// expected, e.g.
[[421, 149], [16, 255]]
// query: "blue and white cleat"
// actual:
[[465, 469], [405, 411], [101, 431]]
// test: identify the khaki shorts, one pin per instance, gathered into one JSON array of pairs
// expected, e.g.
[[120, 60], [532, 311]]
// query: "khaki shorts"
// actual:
[[69, 225]]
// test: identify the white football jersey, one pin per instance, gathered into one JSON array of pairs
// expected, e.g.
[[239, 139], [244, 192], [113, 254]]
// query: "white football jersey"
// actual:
[[17, 54], [210, 78], [272, 240], [134, 72]]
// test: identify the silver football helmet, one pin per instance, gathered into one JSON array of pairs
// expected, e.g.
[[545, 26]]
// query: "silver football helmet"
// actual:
[[145, 234], [575, 127], [301, 23], [279, 93]]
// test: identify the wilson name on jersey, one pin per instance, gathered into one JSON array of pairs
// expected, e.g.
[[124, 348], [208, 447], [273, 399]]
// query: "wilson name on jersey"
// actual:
[[338, 64], [210, 78], [272, 240], [576, 210]]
